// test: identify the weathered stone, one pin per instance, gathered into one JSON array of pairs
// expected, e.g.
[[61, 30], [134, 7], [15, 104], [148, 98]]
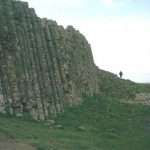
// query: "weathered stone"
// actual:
[[51, 122], [43, 66], [34, 113], [82, 128], [2, 104], [59, 126]]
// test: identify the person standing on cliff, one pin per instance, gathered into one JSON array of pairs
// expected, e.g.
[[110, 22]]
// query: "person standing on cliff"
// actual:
[[120, 74]]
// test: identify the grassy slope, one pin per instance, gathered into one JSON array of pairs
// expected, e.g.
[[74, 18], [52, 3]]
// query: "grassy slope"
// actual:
[[112, 85], [107, 123]]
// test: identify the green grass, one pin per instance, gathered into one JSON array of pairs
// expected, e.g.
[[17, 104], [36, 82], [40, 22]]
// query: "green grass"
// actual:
[[103, 122], [108, 125], [111, 85]]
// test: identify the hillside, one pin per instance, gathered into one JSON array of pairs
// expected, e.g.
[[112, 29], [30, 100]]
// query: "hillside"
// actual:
[[112, 85], [104, 122]]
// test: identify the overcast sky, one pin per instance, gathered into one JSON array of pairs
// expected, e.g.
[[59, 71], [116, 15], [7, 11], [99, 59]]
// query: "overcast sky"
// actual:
[[118, 31]]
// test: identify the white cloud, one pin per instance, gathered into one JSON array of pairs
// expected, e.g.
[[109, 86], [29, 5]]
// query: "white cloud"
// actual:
[[69, 2], [58, 9], [57, 3], [108, 3], [114, 3]]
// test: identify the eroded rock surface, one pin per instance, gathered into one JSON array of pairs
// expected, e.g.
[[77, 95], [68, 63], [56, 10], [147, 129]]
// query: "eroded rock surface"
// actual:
[[43, 67], [140, 98]]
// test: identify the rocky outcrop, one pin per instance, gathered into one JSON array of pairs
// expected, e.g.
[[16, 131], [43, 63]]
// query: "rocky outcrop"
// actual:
[[140, 98], [43, 67]]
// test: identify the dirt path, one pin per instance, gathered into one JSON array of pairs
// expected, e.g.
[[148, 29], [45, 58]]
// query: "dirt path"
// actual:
[[9, 144]]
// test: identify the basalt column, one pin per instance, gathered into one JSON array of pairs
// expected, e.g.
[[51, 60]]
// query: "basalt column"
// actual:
[[43, 66]]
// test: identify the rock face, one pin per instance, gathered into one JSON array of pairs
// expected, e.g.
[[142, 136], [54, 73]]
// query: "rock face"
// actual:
[[43, 67]]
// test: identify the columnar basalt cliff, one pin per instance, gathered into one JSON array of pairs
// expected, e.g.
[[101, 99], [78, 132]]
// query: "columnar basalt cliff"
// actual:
[[43, 67]]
